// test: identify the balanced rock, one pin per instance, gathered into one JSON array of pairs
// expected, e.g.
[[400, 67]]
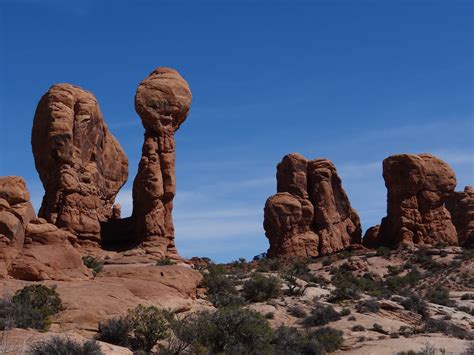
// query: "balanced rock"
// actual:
[[461, 206], [162, 101], [311, 214], [417, 188], [80, 163]]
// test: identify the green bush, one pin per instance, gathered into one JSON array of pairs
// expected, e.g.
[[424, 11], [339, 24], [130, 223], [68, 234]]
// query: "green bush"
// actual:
[[398, 283], [115, 331], [330, 338], [65, 346], [439, 295], [165, 261], [92, 263], [221, 291], [345, 312], [232, 330], [30, 307], [358, 328], [321, 315], [297, 311], [289, 341], [260, 288], [148, 325], [415, 304]]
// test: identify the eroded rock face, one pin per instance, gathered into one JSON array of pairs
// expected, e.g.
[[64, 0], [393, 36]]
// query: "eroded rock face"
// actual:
[[162, 101], [311, 214], [461, 206], [16, 212], [81, 165], [417, 188]]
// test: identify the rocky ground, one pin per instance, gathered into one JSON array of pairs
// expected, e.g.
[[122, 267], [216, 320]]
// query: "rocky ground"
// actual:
[[384, 302]]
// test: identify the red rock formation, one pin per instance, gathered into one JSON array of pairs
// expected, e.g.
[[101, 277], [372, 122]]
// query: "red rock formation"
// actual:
[[16, 212], [81, 165], [32, 249], [461, 207], [311, 214], [417, 188], [162, 102]]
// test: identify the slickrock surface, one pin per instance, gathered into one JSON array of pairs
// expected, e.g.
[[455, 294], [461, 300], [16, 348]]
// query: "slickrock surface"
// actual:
[[417, 188], [81, 164], [461, 207], [162, 100], [311, 214]]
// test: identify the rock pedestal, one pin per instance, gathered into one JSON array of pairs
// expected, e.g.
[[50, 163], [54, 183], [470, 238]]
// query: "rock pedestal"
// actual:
[[162, 101]]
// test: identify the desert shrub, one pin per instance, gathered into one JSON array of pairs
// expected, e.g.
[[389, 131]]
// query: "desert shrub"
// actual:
[[183, 335], [447, 328], [289, 341], [384, 252], [345, 312], [397, 283], [30, 307], [358, 328], [415, 304], [221, 291], [270, 315], [439, 295], [232, 330], [394, 270], [165, 261], [467, 296], [297, 312], [260, 288], [368, 306], [267, 264], [148, 325], [378, 328], [65, 346], [330, 338], [349, 287], [115, 331], [466, 309], [92, 263], [351, 318], [321, 315]]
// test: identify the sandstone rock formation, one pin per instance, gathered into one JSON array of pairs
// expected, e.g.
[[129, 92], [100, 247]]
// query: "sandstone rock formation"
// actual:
[[81, 165], [461, 207], [311, 214], [417, 188], [162, 102], [30, 248], [16, 212]]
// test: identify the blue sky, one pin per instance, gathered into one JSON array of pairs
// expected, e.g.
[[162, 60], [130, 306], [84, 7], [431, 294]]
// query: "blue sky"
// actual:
[[352, 81]]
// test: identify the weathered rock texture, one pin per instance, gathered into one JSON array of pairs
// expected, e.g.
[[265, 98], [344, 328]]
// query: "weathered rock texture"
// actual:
[[30, 248], [162, 101], [81, 165], [417, 188], [461, 207], [16, 212], [311, 214]]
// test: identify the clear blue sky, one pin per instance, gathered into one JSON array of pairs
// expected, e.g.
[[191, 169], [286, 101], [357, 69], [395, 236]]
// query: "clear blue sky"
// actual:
[[353, 81]]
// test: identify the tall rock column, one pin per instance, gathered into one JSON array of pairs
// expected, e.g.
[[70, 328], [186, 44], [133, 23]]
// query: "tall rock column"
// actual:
[[80, 163], [162, 101], [461, 206]]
